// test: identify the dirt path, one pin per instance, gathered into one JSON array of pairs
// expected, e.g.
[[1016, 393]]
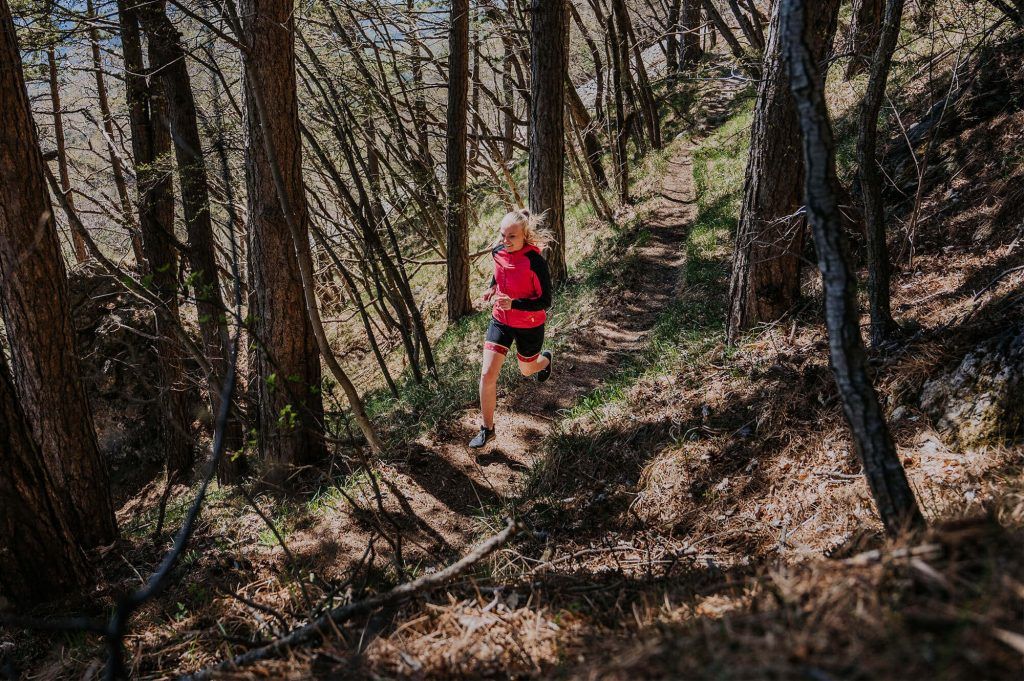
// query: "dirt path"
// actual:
[[448, 485]]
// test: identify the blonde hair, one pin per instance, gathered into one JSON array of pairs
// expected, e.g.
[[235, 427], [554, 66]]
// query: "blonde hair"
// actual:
[[534, 232]]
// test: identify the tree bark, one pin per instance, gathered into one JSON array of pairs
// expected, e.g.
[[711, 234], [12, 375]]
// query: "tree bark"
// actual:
[[39, 558], [689, 41], [459, 304], [765, 281], [870, 178], [888, 482], [290, 401], [182, 120], [549, 36], [37, 315], [673, 38], [151, 145]]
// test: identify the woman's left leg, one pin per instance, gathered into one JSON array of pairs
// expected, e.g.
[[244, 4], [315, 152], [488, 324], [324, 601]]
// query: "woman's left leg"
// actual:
[[528, 351]]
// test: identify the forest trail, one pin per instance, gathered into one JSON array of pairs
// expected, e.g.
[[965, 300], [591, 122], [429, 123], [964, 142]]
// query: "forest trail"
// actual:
[[446, 483], [436, 490]]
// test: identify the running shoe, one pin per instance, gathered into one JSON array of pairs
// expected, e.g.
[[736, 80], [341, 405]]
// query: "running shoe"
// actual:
[[483, 437], [545, 373]]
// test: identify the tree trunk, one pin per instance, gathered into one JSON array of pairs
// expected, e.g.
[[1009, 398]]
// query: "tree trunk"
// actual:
[[672, 39], [37, 316], [888, 482], [151, 145], [549, 38], [765, 282], [689, 42], [39, 558], [459, 304], [62, 154], [169, 63], [870, 178], [864, 34], [291, 406]]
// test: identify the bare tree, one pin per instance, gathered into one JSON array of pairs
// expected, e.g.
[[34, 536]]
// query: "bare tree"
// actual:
[[888, 482]]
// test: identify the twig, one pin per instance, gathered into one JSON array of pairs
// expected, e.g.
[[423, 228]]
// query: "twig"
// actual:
[[312, 631]]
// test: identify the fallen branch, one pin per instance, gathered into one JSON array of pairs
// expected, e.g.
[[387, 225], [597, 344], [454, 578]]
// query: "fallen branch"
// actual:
[[312, 631], [877, 555]]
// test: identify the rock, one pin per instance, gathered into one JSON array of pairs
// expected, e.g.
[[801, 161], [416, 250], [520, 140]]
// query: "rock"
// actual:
[[982, 402]]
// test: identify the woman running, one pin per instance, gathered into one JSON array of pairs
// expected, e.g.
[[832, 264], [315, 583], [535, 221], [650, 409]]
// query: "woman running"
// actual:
[[521, 292]]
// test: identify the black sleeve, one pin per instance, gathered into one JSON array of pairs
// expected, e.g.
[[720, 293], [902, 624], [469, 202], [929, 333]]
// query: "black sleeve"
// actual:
[[494, 251], [543, 301]]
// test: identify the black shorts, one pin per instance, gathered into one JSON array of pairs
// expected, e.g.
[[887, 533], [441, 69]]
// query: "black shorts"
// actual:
[[528, 342]]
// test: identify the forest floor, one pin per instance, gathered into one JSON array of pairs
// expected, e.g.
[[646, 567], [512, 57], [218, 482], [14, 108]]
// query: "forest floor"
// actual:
[[693, 510]]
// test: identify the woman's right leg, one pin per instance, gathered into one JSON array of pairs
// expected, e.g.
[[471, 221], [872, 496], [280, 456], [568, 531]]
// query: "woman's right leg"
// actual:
[[489, 385]]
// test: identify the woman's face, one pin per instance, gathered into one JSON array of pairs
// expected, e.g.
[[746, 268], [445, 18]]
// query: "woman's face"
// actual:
[[512, 236]]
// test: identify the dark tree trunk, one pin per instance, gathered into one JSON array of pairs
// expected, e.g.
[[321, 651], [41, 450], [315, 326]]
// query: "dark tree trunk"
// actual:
[[689, 42], [864, 34], [459, 304], [151, 145], [169, 63], [62, 154], [108, 132], [290, 402], [870, 178], [888, 482], [37, 316], [765, 282], [673, 38], [39, 558], [549, 36]]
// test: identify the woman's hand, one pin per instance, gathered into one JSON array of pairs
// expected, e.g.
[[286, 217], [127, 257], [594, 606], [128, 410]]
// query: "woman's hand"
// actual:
[[488, 294], [504, 302]]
